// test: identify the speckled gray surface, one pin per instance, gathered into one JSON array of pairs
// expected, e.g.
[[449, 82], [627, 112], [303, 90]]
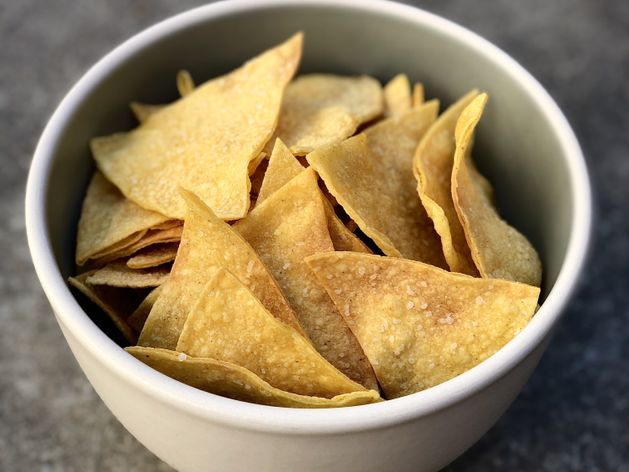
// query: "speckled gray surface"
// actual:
[[573, 414]]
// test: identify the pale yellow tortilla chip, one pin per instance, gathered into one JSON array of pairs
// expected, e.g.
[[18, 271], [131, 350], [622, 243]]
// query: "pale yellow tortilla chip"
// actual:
[[397, 96], [117, 274], [137, 319], [228, 323], [232, 381], [432, 166], [207, 244], [117, 304], [420, 325], [288, 226], [371, 177], [153, 256], [418, 95], [185, 83], [498, 250], [282, 167], [107, 219], [143, 111], [204, 141], [321, 109]]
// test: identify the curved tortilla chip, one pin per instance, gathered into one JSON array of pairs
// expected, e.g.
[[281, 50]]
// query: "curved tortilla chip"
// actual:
[[397, 96], [232, 381], [371, 177], [118, 274], [321, 109], [288, 226], [207, 244], [432, 166], [228, 323], [420, 325], [137, 319], [147, 239], [498, 250], [204, 141], [108, 218], [153, 256]]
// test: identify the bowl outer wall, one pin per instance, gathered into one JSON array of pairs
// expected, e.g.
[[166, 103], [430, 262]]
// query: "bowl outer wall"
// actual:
[[254, 417]]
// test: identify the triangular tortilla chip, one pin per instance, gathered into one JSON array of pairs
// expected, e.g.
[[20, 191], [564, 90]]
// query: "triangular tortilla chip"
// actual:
[[498, 250], [228, 323], [371, 177], [185, 83], [207, 244], [153, 256], [117, 274], [418, 95], [420, 325], [282, 167], [107, 218], [432, 166], [204, 141], [397, 96], [321, 109], [232, 381], [143, 111], [137, 319], [117, 304], [285, 228]]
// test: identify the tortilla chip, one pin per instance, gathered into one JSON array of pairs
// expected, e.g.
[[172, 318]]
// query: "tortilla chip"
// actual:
[[228, 323], [397, 96], [498, 250], [371, 177], [418, 95], [342, 237], [322, 109], [185, 84], [183, 145], [117, 274], [282, 167], [420, 325], [207, 244], [285, 228], [107, 218], [143, 111], [432, 166], [137, 319], [253, 165], [153, 256], [232, 381], [117, 304]]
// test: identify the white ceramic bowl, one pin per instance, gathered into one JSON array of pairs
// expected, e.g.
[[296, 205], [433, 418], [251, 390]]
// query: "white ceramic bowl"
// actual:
[[525, 146]]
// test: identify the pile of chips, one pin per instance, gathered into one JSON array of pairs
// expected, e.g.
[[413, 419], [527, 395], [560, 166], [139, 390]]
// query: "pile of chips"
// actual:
[[319, 241]]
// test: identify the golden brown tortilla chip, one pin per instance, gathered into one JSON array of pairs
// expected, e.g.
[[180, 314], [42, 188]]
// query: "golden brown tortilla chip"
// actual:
[[107, 219], [117, 304], [432, 166], [183, 145], [228, 323], [371, 177], [418, 95], [397, 96], [153, 256], [288, 226], [207, 244], [282, 167], [420, 325], [498, 250], [185, 84], [137, 319], [117, 274], [232, 381], [321, 109]]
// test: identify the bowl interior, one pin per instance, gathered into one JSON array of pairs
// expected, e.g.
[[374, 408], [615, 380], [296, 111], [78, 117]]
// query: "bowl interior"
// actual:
[[517, 147]]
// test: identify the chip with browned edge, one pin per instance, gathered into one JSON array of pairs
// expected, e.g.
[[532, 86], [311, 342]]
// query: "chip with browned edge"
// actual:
[[498, 250], [232, 381], [204, 141], [432, 166], [153, 256], [118, 274], [207, 244], [288, 226], [420, 325], [371, 177]]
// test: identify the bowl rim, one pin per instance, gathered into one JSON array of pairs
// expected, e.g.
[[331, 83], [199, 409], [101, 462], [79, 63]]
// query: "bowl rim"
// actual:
[[302, 421]]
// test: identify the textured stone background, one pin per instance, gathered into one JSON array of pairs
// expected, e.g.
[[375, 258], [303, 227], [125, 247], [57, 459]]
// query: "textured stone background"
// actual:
[[573, 414]]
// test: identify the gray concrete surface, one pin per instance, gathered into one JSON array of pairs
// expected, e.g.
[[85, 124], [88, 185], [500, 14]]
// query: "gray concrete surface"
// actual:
[[573, 414]]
